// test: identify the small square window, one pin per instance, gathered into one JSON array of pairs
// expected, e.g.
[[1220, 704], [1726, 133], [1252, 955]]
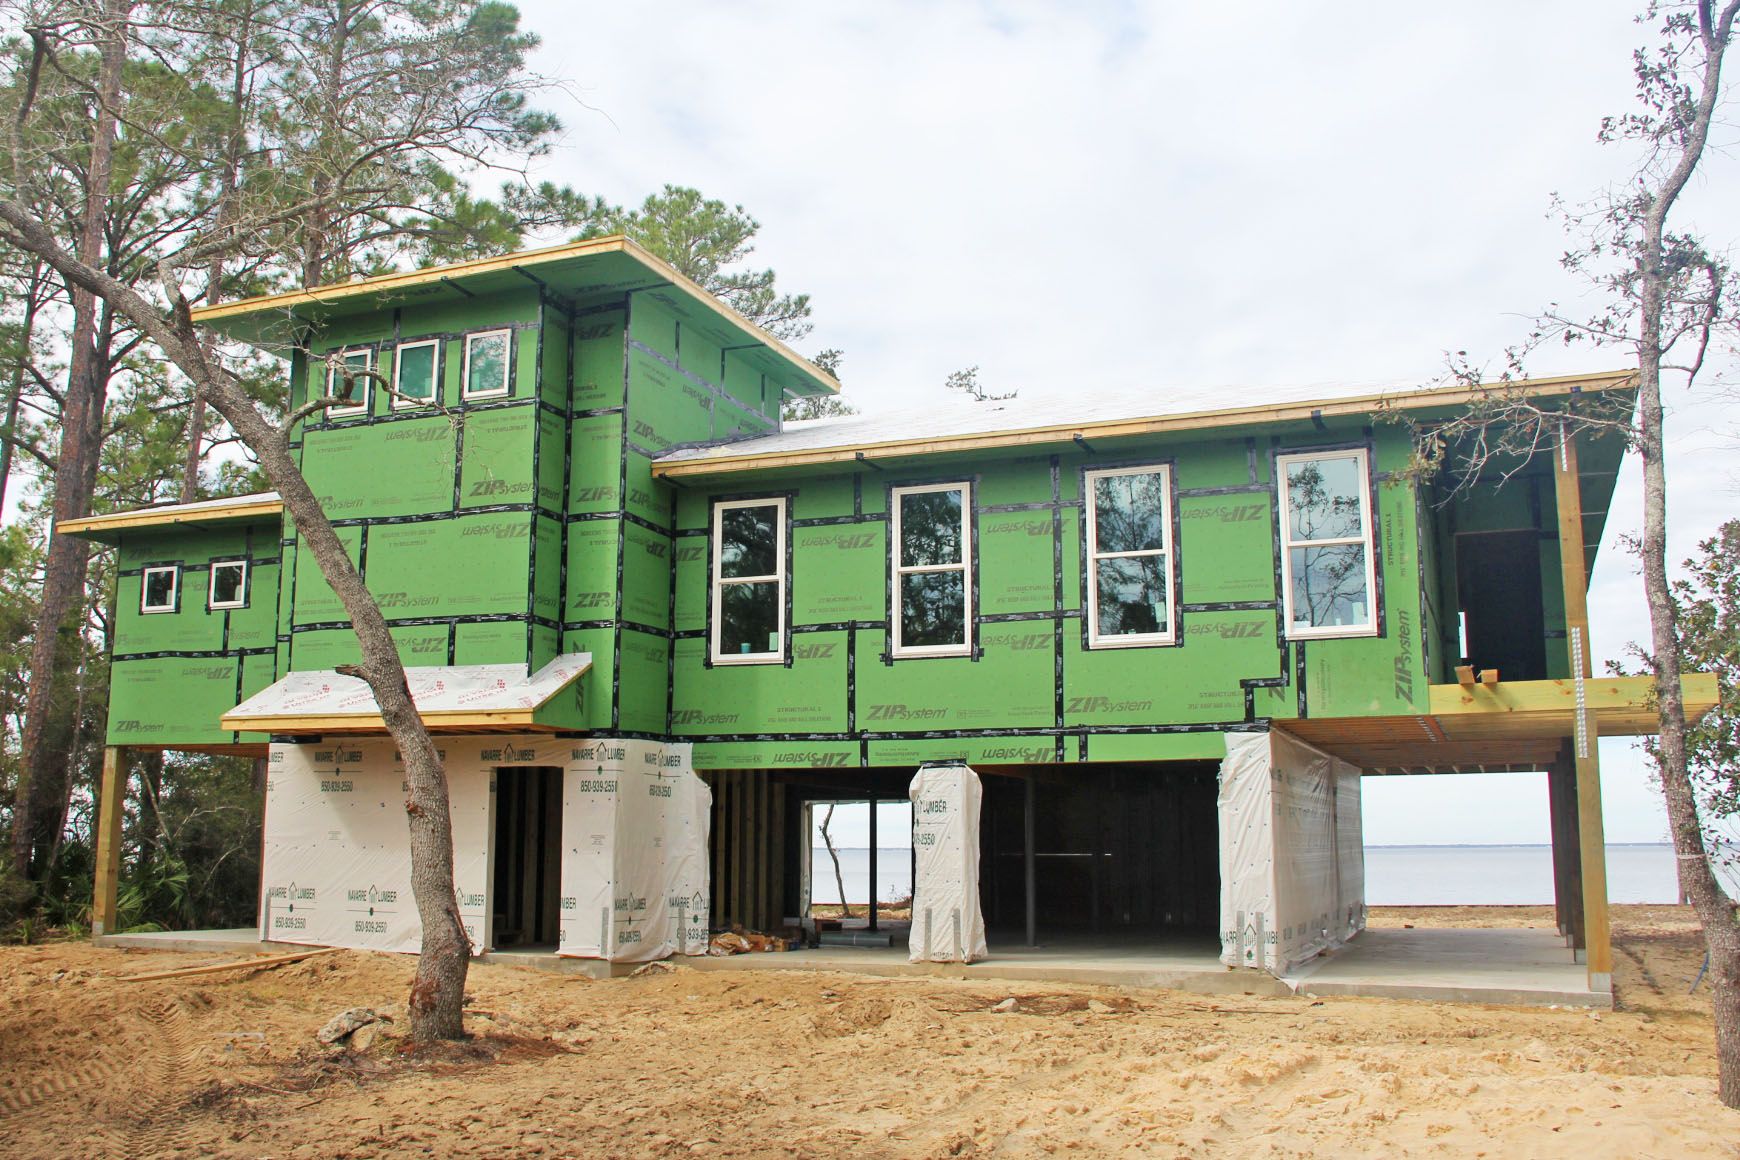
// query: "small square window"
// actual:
[[416, 371], [352, 360], [486, 363], [159, 588], [229, 584]]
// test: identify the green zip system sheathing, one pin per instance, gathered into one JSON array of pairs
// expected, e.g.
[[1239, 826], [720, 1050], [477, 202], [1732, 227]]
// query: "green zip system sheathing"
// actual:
[[1033, 691], [174, 673]]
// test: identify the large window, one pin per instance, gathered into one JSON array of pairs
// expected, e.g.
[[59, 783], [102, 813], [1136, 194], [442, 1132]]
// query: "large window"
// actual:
[[1326, 550], [933, 591], [749, 581], [486, 363], [416, 371], [229, 584], [158, 588], [1129, 554], [351, 360]]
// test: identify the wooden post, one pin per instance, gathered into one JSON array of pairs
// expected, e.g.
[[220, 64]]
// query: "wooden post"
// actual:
[[1567, 856], [1029, 860], [873, 925], [1593, 854], [110, 808]]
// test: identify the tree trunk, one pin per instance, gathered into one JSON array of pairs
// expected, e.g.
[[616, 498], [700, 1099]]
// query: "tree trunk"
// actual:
[[63, 583], [438, 994], [1716, 912], [15, 388], [839, 881]]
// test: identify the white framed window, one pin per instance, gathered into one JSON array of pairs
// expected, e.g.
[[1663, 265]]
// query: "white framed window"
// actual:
[[1328, 569], [749, 581], [159, 588], [932, 532], [1129, 557], [486, 363], [416, 373], [359, 360], [229, 584]]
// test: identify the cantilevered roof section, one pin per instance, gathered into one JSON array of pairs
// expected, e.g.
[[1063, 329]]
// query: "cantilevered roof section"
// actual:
[[449, 698], [236, 509], [589, 273], [962, 425]]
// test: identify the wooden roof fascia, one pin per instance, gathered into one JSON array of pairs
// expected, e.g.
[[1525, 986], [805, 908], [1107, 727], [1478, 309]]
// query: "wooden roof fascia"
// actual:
[[612, 244], [96, 527], [1305, 411]]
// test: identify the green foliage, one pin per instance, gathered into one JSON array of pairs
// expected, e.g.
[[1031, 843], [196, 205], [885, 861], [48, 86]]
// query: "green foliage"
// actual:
[[966, 381], [1709, 608], [705, 239]]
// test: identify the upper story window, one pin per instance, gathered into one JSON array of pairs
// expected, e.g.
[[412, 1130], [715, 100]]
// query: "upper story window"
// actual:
[[486, 363], [749, 581], [159, 587], [229, 584], [1129, 555], [416, 371], [1327, 566], [932, 585], [353, 360]]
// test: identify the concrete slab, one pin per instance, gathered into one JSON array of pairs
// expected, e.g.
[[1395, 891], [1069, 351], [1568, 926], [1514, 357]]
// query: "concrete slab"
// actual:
[[1181, 963], [242, 940], [1523, 967]]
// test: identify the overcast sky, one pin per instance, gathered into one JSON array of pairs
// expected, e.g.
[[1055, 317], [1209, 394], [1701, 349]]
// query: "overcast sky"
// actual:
[[1178, 198]]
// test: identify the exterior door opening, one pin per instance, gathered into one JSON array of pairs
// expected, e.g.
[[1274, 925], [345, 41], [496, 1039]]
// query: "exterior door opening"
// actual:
[[1498, 581], [527, 869]]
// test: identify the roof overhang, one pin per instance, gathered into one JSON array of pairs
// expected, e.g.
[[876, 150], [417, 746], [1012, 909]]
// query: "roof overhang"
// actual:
[[747, 456], [1512, 726], [585, 273], [450, 699], [236, 509]]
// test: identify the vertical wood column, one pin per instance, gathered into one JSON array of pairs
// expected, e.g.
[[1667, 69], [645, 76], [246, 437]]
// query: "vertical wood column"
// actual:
[[1567, 850], [1593, 854], [110, 808]]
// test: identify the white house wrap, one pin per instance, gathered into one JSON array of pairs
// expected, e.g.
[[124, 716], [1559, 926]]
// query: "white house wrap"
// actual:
[[947, 924], [1291, 852]]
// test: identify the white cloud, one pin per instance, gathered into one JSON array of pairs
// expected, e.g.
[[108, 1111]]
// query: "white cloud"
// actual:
[[1122, 195]]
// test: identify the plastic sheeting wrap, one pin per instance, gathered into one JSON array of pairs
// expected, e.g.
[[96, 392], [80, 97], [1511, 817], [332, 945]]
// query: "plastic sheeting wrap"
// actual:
[[634, 861], [336, 862], [1291, 850], [947, 924]]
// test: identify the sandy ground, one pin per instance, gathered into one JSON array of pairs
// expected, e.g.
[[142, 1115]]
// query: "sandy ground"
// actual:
[[689, 1062]]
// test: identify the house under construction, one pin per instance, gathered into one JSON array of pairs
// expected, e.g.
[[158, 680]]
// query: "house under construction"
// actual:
[[651, 625]]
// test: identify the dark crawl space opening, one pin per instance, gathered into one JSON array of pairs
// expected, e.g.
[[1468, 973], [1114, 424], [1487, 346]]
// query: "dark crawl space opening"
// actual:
[[1118, 852], [527, 856]]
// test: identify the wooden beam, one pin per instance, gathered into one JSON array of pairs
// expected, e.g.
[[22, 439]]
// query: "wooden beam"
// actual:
[[111, 801], [1597, 931]]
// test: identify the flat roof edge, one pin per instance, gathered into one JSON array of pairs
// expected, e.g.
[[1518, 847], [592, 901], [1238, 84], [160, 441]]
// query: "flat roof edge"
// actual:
[[171, 515], [610, 244], [1305, 410]]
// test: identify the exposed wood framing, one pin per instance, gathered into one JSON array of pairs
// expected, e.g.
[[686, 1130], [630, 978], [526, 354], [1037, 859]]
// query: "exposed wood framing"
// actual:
[[110, 802], [1584, 751]]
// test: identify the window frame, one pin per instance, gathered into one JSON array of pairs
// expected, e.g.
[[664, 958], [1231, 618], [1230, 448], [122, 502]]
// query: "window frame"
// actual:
[[896, 570], [717, 581], [400, 404], [507, 366], [1092, 556], [361, 406], [1367, 538], [212, 603], [174, 604]]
